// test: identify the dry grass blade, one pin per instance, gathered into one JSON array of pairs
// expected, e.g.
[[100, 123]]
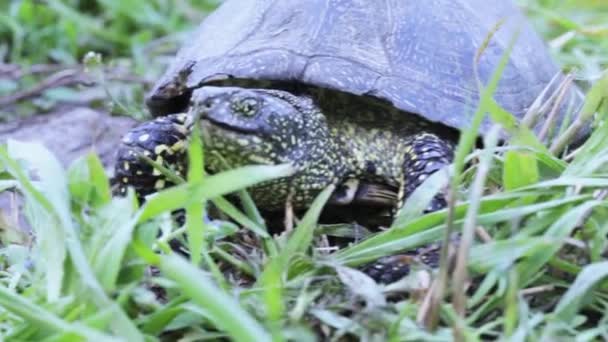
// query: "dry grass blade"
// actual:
[[466, 143], [542, 102], [468, 231], [596, 98], [564, 88]]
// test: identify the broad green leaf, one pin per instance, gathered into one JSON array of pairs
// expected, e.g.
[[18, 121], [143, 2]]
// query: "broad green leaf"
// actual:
[[429, 228], [362, 285], [272, 283], [88, 182], [49, 203], [520, 169], [558, 231], [234, 213]]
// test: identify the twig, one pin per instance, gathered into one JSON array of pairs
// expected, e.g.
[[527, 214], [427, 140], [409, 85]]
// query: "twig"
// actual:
[[289, 213], [59, 79], [536, 290], [425, 307], [63, 77], [483, 234], [15, 71]]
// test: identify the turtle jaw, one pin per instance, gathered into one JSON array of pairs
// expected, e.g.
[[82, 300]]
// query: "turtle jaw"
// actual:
[[253, 126], [208, 124], [242, 127], [226, 144]]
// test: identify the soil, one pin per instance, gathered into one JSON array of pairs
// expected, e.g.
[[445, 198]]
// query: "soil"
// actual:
[[69, 134], [72, 133]]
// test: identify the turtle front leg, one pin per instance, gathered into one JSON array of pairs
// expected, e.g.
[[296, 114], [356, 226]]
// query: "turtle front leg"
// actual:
[[163, 140], [425, 154]]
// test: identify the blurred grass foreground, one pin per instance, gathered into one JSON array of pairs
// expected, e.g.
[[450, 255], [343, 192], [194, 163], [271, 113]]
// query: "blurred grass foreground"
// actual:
[[79, 265]]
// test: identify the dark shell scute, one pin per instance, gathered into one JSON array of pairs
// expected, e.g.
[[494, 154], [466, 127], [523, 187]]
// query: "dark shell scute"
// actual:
[[421, 56]]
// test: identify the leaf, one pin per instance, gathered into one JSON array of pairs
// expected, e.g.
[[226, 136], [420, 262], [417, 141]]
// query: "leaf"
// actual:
[[113, 233], [419, 200], [210, 187], [50, 196], [302, 236], [559, 230], [502, 254], [48, 204], [225, 312], [88, 182], [362, 285], [338, 322], [572, 301], [234, 213], [429, 228], [24, 308], [520, 169], [8, 184], [272, 283], [195, 211]]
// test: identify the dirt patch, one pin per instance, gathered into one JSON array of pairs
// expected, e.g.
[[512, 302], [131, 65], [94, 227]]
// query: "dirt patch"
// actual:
[[68, 134], [72, 133]]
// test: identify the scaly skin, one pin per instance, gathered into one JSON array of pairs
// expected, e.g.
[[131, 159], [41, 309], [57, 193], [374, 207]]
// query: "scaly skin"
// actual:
[[259, 126], [336, 144]]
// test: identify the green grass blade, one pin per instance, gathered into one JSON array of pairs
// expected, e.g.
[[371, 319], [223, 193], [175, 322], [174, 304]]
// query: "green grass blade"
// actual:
[[234, 213], [210, 187], [111, 238], [558, 231], [225, 312], [596, 97], [302, 236], [460, 275], [55, 200], [22, 307], [50, 200], [572, 301], [195, 211], [419, 200], [429, 227], [520, 169]]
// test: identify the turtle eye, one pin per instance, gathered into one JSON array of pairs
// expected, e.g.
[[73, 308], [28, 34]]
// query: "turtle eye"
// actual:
[[247, 107]]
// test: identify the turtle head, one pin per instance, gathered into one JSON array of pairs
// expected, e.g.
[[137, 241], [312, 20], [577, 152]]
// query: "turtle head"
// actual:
[[258, 126]]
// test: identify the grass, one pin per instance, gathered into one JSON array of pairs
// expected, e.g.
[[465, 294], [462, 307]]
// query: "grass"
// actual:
[[101, 268], [44, 43]]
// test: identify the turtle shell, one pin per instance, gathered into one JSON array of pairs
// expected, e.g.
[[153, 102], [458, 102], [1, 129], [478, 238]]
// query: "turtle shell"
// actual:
[[418, 55]]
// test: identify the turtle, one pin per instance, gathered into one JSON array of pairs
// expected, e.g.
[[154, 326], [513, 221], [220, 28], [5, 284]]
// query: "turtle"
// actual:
[[369, 96]]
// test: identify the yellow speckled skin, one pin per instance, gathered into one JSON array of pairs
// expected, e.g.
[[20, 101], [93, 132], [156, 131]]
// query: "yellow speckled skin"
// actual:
[[330, 138]]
